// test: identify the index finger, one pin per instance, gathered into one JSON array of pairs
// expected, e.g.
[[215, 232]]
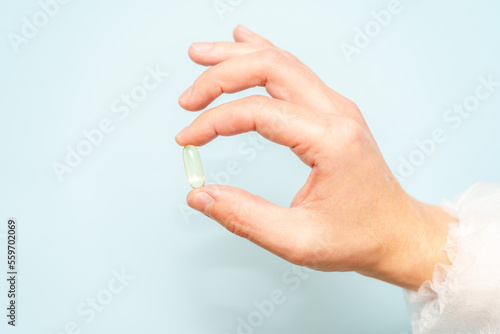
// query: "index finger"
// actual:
[[279, 121]]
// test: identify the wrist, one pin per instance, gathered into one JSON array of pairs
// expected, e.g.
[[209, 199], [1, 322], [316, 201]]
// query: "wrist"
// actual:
[[415, 246]]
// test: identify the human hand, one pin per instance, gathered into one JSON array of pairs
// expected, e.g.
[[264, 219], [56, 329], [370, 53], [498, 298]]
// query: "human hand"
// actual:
[[351, 214]]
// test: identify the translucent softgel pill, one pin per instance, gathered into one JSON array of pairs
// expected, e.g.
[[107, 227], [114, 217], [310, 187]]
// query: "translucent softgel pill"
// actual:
[[192, 164]]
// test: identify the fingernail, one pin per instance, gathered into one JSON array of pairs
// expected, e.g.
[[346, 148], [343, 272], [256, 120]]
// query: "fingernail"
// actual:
[[180, 134], [202, 47], [186, 94], [200, 201], [244, 30]]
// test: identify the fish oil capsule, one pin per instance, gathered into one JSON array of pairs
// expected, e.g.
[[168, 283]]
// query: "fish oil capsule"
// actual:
[[192, 164]]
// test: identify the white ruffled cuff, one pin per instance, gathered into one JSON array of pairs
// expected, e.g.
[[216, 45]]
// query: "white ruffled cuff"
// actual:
[[464, 297]]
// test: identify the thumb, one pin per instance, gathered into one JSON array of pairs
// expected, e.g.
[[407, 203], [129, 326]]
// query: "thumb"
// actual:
[[279, 230]]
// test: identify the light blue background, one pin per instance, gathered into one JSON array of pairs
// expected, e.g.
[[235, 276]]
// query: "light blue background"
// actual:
[[122, 207]]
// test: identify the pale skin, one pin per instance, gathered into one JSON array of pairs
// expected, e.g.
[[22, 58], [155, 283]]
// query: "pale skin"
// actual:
[[351, 214]]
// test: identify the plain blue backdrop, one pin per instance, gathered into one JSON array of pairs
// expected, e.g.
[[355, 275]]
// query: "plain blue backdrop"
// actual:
[[122, 206]]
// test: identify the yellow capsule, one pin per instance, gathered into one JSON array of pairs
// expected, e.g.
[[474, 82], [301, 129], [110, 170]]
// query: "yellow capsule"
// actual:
[[192, 164]]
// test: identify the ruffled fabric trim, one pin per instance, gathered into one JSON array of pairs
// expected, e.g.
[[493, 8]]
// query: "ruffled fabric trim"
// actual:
[[464, 297]]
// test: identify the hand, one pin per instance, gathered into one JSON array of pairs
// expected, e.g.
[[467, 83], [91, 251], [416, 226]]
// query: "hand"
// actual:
[[351, 214]]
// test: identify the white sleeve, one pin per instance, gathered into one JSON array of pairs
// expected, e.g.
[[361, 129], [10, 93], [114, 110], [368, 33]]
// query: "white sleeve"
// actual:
[[464, 297]]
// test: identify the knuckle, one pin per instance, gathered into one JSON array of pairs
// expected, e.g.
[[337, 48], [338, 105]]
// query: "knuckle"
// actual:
[[352, 134], [289, 55], [347, 133], [236, 223], [350, 105], [258, 100], [257, 106], [273, 55], [353, 110]]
